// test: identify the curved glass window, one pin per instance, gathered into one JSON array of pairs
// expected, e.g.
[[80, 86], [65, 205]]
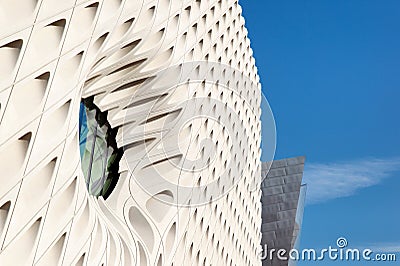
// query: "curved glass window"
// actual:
[[100, 155]]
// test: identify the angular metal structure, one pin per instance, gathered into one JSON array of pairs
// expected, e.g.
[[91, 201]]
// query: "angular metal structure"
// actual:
[[282, 202]]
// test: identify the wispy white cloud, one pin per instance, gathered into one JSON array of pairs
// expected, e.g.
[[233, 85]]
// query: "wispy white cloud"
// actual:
[[334, 180]]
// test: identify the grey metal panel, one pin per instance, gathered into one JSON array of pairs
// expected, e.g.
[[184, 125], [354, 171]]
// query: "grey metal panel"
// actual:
[[280, 202]]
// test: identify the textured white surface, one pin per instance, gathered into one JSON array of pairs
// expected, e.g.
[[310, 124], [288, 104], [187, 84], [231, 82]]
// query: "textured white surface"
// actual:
[[53, 53]]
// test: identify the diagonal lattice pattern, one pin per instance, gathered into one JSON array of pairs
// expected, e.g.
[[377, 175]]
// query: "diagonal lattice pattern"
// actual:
[[52, 54]]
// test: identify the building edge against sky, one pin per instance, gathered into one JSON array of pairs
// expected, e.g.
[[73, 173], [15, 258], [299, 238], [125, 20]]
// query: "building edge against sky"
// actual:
[[166, 73], [57, 53], [282, 201]]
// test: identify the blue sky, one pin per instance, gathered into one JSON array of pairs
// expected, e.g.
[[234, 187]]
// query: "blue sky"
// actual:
[[331, 73]]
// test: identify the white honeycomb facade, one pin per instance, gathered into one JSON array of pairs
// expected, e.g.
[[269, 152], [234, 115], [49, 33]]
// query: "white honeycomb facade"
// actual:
[[53, 53]]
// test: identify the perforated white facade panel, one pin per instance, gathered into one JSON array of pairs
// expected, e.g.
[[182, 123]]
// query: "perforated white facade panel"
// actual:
[[179, 82]]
